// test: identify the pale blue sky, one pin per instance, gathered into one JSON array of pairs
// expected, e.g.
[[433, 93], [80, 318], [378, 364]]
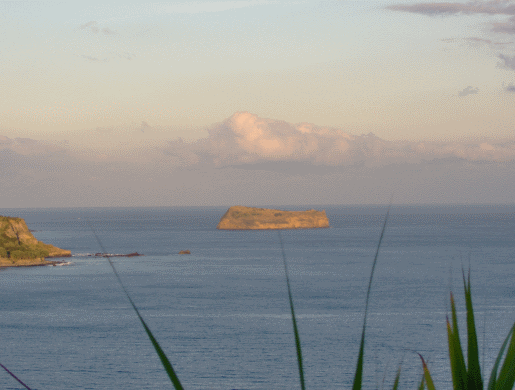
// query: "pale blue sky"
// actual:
[[180, 66], [275, 100]]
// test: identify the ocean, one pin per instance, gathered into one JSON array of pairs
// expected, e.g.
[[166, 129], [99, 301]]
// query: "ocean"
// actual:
[[221, 313]]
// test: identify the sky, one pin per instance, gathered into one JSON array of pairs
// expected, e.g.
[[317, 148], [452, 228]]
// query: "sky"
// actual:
[[256, 102]]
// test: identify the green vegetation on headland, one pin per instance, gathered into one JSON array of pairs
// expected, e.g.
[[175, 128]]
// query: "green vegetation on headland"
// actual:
[[18, 247], [253, 218]]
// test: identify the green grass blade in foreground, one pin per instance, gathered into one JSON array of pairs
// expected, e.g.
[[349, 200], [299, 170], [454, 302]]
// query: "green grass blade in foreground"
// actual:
[[427, 375], [162, 356], [506, 378], [14, 376], [474, 380], [358, 376], [458, 368], [295, 330], [397, 378], [492, 383], [422, 383]]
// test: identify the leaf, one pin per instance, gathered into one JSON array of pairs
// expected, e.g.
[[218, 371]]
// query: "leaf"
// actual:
[[492, 383], [397, 378], [458, 368], [474, 380], [427, 375], [422, 382], [358, 376], [14, 376], [506, 377], [160, 353], [295, 330]]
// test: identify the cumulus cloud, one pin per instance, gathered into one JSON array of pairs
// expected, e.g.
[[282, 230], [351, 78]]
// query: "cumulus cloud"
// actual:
[[468, 91], [247, 139]]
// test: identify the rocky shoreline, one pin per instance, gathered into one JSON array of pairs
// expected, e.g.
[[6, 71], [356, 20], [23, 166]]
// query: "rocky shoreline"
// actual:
[[19, 247], [7, 263]]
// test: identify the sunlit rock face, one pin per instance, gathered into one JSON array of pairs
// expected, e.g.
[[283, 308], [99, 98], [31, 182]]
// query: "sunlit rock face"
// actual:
[[18, 247], [252, 218]]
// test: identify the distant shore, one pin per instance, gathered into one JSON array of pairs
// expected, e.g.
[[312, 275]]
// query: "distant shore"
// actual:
[[6, 263]]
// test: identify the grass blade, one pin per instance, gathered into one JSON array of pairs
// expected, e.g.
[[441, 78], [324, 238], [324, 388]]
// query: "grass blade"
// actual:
[[427, 375], [397, 378], [358, 376], [492, 383], [458, 368], [14, 376], [474, 380], [295, 330], [162, 356], [422, 383], [507, 375]]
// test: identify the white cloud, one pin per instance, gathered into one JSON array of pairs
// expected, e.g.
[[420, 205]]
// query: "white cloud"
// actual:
[[245, 138], [253, 160]]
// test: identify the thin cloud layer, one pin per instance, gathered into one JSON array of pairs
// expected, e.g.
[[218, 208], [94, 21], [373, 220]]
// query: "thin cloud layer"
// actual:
[[507, 27], [482, 40], [92, 26], [468, 91], [493, 7], [252, 160], [28, 146], [509, 62]]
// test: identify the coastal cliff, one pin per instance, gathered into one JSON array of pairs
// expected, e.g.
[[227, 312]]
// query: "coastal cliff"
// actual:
[[18, 247], [250, 218]]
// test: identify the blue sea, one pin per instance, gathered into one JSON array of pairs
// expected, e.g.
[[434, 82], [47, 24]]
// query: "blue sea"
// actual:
[[222, 315]]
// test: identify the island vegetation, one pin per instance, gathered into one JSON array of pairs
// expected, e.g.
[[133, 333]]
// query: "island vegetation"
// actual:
[[250, 218], [19, 247]]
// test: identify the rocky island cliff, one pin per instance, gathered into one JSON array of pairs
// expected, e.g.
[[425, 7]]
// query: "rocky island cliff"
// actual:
[[250, 218], [18, 247]]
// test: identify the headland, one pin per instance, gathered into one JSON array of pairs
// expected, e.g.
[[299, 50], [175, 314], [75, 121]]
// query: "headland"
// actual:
[[19, 248]]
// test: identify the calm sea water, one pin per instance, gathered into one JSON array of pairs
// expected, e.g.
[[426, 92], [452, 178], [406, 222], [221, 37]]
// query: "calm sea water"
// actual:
[[222, 315]]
